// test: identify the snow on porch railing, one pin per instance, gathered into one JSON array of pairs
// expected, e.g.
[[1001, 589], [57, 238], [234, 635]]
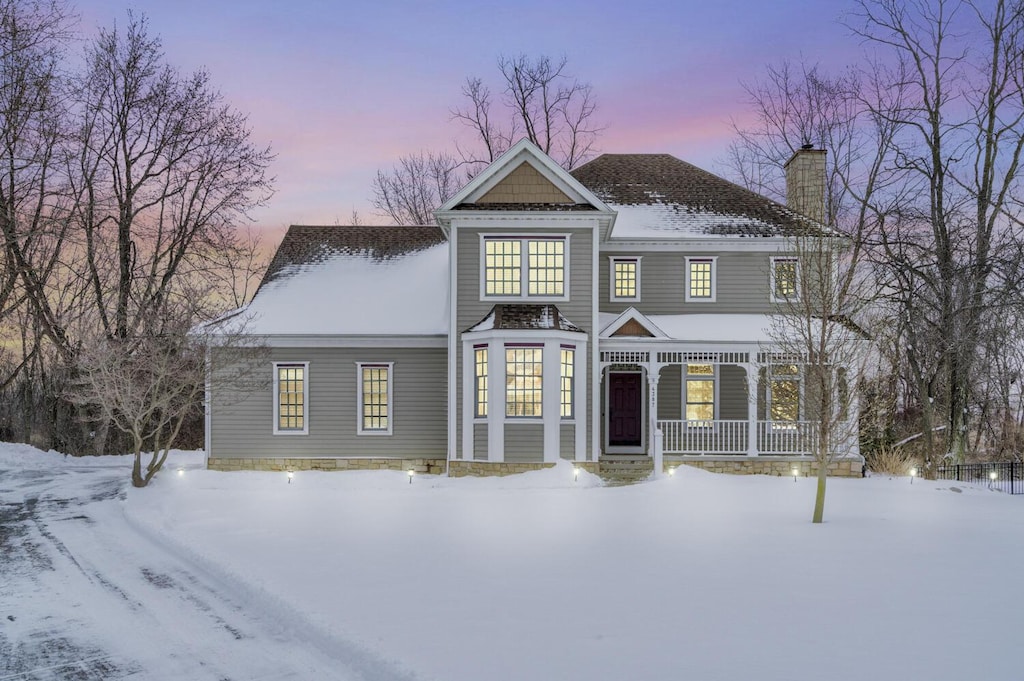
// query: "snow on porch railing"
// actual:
[[786, 437], [704, 437]]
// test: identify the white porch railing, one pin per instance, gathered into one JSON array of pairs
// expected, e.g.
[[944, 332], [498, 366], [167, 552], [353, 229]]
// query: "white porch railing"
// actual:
[[705, 437], [730, 437]]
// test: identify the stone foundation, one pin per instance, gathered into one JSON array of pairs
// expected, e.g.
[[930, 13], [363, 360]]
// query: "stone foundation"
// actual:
[[428, 466], [763, 465]]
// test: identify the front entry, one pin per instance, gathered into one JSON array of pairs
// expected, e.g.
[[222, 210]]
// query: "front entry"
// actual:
[[625, 409]]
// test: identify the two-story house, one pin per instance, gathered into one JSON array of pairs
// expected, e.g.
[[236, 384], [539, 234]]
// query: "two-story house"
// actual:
[[548, 315]]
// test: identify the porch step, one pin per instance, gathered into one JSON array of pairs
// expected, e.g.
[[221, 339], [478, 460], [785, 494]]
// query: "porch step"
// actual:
[[625, 470]]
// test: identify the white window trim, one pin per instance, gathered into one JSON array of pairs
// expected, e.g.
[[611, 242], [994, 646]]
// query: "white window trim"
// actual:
[[786, 426], [717, 403], [477, 417], [524, 270], [612, 259], [571, 418], [359, 398], [771, 279], [305, 400], [714, 279]]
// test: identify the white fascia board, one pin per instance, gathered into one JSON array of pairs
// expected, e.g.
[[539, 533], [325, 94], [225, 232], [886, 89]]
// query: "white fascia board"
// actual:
[[504, 164], [524, 335], [435, 341], [520, 220], [688, 245]]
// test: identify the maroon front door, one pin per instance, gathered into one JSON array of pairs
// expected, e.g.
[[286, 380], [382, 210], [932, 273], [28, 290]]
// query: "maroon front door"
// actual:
[[625, 410]]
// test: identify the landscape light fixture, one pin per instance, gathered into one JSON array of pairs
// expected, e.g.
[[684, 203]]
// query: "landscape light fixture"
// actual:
[[181, 471], [290, 476], [576, 474], [992, 477], [411, 473], [671, 471], [796, 472], [913, 473]]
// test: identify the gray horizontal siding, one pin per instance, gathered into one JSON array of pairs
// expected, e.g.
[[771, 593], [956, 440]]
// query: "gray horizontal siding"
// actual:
[[670, 392], [524, 442], [567, 440], [480, 441], [741, 284], [242, 426], [470, 309]]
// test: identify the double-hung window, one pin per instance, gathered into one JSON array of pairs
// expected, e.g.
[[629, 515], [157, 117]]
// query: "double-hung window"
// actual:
[[568, 376], [374, 398], [700, 279], [784, 396], [625, 278], [519, 267], [291, 398], [480, 378], [785, 279], [524, 380], [700, 395]]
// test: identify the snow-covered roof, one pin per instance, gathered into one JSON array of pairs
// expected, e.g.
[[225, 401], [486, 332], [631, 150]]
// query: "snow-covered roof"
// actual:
[[657, 196], [540, 317], [361, 281]]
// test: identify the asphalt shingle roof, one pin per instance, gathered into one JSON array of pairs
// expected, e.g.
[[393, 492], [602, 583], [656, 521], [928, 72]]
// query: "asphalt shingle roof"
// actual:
[[305, 245], [660, 196], [514, 316]]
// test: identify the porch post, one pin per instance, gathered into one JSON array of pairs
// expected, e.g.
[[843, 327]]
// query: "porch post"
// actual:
[[752, 377], [653, 374]]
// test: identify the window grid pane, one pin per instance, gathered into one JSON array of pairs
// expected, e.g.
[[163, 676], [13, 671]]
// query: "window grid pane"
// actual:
[[625, 278], [290, 397], [524, 381], [700, 278], [785, 400], [568, 367], [785, 278], [481, 381], [700, 395], [546, 267], [375, 398], [502, 267]]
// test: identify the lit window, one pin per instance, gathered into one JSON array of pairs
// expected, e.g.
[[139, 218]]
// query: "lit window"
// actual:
[[524, 381], [784, 396], [547, 267], [480, 361], [290, 405], [502, 267], [568, 372], [700, 395], [700, 279], [625, 278], [784, 276], [541, 273], [374, 399]]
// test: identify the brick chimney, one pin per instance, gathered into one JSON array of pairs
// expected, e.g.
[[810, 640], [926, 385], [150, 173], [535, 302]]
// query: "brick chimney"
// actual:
[[805, 182]]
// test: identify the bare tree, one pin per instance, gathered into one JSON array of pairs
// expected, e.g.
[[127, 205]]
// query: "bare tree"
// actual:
[[538, 100], [164, 172]]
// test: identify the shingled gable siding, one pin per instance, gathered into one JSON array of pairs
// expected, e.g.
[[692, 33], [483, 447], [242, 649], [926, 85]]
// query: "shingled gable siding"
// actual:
[[741, 284], [470, 309], [244, 429], [525, 184]]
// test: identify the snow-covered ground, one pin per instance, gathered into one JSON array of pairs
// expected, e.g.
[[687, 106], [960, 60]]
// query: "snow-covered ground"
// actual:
[[536, 576]]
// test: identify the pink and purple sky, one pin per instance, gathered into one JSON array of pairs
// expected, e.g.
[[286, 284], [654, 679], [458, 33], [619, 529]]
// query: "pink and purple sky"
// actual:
[[341, 89]]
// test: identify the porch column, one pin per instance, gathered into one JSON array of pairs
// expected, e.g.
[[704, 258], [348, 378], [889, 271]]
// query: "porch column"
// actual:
[[752, 377], [653, 374]]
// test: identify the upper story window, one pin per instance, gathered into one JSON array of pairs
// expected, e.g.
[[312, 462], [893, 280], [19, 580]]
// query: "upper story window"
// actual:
[[785, 282], [291, 398], [625, 278], [700, 279], [524, 267]]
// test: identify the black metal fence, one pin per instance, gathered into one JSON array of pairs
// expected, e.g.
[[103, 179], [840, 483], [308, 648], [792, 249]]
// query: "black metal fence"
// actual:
[[1005, 477]]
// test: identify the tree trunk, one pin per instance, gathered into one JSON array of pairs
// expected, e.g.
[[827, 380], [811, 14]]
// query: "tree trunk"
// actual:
[[819, 498]]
